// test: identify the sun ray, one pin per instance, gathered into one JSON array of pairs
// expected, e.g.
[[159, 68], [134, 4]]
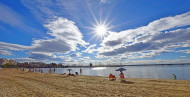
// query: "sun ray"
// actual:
[[101, 26]]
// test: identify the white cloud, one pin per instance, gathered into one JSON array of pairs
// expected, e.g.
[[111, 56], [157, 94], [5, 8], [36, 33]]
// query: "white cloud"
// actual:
[[149, 38], [156, 61], [65, 37], [9, 46], [90, 49], [185, 51], [103, 1], [182, 56], [26, 60], [40, 56], [85, 59], [9, 16], [41, 9], [67, 59], [4, 52], [75, 54]]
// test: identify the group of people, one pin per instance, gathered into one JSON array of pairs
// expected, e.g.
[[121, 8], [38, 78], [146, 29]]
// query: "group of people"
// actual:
[[50, 71], [76, 73], [40, 70], [111, 76], [35, 70]]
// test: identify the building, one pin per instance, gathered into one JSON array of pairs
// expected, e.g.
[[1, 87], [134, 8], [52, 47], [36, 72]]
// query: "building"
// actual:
[[36, 64], [4, 61], [13, 62]]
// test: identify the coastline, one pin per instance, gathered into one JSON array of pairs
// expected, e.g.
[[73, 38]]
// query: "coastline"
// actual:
[[16, 83]]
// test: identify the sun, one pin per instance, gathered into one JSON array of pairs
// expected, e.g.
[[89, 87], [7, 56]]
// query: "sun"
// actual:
[[101, 30]]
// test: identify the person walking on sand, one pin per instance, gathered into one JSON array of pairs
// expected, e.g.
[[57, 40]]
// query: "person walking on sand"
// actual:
[[121, 75]]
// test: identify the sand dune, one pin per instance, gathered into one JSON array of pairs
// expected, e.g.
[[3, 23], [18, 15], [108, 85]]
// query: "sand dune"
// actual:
[[16, 83]]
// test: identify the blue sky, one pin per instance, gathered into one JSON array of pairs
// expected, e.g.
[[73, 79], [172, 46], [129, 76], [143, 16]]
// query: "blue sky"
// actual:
[[95, 31]]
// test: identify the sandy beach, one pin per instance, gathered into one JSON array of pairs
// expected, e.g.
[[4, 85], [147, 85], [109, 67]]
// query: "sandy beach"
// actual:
[[16, 83]]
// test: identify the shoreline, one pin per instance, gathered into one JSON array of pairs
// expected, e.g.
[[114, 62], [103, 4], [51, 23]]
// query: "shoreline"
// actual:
[[170, 77], [16, 83]]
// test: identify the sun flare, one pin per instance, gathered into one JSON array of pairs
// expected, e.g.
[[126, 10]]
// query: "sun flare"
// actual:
[[101, 30]]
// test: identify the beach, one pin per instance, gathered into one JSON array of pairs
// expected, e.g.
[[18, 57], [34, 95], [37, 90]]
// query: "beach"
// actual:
[[16, 83]]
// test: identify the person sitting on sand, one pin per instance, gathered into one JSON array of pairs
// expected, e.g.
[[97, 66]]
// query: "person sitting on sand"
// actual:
[[72, 75], [29, 70], [111, 76], [121, 75]]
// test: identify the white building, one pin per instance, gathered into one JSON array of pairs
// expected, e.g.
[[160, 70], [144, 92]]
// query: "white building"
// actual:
[[4, 61]]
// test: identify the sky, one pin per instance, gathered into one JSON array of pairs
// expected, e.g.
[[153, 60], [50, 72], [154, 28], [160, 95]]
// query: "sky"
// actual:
[[102, 32]]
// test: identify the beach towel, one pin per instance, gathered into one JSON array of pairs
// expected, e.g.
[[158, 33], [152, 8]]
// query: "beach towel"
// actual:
[[111, 76]]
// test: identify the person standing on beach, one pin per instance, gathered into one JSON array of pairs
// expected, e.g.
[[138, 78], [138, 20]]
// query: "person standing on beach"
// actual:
[[49, 70], [121, 75], [41, 70], [174, 76], [54, 69], [80, 71]]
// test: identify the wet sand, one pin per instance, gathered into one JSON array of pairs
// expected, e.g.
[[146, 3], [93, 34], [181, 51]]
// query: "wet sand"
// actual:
[[16, 83]]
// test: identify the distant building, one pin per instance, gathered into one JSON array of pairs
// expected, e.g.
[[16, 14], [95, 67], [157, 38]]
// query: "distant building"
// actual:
[[36, 64], [13, 62], [5, 61]]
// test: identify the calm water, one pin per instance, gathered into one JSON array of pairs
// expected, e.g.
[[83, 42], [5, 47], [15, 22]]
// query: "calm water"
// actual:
[[157, 72]]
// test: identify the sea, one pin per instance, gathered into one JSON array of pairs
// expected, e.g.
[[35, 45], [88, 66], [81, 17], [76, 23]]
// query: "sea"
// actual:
[[182, 72]]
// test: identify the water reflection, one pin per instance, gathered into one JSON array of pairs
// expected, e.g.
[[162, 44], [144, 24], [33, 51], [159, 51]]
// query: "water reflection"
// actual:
[[98, 68]]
